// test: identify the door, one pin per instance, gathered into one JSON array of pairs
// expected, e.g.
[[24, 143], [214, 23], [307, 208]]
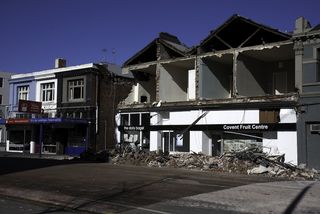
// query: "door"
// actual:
[[168, 141], [313, 146], [216, 145]]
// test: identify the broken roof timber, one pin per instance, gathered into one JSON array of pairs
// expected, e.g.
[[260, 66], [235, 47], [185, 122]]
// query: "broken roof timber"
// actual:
[[169, 41], [139, 53], [270, 101], [241, 49], [148, 64], [234, 22]]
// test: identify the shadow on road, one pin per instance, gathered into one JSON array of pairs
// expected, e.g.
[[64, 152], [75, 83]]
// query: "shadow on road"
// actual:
[[18, 164]]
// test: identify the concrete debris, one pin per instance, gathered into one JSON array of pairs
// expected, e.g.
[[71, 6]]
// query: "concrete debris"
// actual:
[[247, 161]]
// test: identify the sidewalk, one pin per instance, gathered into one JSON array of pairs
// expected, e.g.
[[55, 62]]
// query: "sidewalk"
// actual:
[[35, 156], [275, 197]]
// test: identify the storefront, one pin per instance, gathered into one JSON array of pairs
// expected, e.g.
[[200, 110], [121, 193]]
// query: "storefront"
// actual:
[[214, 132], [135, 130], [47, 136]]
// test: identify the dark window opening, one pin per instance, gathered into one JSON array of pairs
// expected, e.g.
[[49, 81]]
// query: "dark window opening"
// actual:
[[143, 99], [145, 119], [135, 119]]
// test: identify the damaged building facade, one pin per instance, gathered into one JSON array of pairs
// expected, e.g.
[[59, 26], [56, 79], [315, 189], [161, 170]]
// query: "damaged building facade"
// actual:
[[236, 89]]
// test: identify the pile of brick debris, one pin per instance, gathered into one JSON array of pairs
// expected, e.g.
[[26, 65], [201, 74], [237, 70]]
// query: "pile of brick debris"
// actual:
[[247, 161]]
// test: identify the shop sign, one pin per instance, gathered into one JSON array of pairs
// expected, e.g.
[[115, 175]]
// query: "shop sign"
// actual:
[[18, 121], [31, 107], [246, 127], [45, 120], [133, 128]]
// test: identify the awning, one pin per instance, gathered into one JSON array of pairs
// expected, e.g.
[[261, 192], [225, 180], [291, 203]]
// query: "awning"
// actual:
[[45, 121]]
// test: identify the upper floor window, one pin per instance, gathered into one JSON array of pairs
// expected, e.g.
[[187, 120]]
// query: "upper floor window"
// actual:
[[1, 82], [23, 92], [47, 92], [0, 98], [76, 90]]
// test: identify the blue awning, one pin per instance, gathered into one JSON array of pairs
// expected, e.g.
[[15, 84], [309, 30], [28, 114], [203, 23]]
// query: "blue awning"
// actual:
[[2, 121], [57, 120]]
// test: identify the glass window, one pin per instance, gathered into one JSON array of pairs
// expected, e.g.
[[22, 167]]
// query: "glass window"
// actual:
[[76, 90], [145, 119], [124, 119], [23, 92], [1, 82], [47, 92], [0, 98], [135, 119]]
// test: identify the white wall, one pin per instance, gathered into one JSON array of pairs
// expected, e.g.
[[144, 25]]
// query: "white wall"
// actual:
[[196, 141], [155, 141], [117, 121], [213, 117], [192, 84], [286, 143], [288, 116]]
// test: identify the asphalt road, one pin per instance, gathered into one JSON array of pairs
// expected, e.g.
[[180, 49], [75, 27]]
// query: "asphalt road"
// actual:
[[102, 187], [14, 206]]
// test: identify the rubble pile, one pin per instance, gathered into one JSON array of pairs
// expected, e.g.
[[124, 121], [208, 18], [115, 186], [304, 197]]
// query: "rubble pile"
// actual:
[[247, 161]]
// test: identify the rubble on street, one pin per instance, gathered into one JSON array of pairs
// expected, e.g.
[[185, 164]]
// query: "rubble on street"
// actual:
[[247, 161]]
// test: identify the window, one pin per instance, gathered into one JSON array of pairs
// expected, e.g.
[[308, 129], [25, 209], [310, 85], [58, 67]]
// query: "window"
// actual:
[[23, 92], [124, 119], [1, 82], [143, 99], [76, 90], [47, 92], [0, 98]]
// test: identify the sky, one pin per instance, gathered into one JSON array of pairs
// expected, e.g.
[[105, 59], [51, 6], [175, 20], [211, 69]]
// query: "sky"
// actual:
[[33, 33]]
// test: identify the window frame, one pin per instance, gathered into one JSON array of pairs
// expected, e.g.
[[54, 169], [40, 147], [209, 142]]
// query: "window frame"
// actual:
[[75, 85], [23, 92], [44, 92]]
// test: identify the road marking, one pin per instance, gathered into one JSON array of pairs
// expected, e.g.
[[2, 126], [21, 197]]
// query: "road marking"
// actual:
[[138, 208]]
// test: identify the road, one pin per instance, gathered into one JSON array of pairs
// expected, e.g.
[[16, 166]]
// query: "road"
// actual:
[[103, 187], [13, 206]]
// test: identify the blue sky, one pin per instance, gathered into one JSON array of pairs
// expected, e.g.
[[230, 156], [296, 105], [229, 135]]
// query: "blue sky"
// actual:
[[35, 32]]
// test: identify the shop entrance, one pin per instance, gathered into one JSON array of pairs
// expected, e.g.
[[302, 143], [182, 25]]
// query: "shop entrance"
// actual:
[[168, 141], [217, 145]]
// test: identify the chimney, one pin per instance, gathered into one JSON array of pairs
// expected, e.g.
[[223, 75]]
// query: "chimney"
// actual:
[[302, 25], [60, 63]]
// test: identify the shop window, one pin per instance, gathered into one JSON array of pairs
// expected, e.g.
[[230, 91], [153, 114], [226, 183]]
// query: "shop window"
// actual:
[[269, 116], [145, 119], [124, 119], [135, 119], [23, 92], [47, 92], [22, 116]]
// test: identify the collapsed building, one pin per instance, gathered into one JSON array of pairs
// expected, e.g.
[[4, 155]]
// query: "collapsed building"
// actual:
[[236, 89]]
